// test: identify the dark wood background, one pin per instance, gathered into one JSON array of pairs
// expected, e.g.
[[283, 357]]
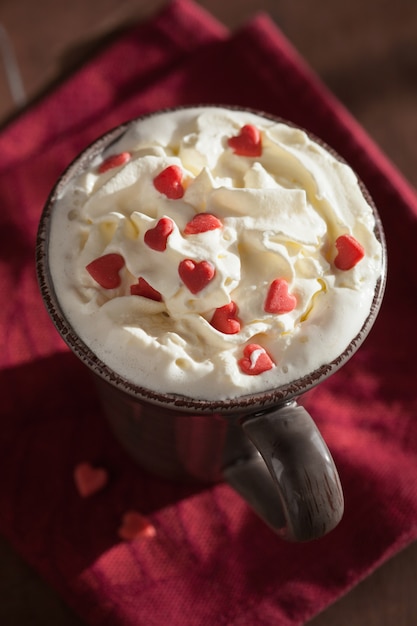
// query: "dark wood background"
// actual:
[[366, 53]]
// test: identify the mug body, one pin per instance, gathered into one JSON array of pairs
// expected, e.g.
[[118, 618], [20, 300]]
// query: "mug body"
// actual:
[[247, 440], [173, 443]]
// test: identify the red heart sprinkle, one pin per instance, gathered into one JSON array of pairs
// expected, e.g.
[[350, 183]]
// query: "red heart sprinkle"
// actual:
[[248, 142], [201, 223], [255, 360], [225, 319], [135, 526], [278, 300], [144, 289], [89, 479], [156, 238], [105, 270], [115, 160], [169, 182], [350, 252], [196, 275]]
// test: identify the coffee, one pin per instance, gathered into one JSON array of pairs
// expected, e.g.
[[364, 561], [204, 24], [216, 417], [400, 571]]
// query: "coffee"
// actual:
[[214, 253]]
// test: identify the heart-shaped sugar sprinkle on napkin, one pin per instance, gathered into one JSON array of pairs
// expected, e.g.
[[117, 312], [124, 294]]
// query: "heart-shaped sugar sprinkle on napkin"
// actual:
[[135, 526], [88, 479]]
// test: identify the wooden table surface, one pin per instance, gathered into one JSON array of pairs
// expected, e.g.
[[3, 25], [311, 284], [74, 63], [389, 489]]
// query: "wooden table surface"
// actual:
[[366, 52]]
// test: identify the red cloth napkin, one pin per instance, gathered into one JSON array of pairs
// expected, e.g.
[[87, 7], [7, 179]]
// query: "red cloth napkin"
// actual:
[[211, 561]]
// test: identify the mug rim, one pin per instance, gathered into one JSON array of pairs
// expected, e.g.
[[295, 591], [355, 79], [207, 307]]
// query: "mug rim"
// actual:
[[258, 401]]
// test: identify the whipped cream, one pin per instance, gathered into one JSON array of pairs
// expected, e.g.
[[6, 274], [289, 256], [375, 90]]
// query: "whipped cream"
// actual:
[[214, 253]]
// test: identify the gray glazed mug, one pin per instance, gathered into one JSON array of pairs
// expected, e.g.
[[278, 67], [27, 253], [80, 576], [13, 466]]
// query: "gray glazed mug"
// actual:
[[265, 445]]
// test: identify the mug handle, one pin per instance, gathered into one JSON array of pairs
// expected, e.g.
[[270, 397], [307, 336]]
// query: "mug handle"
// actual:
[[292, 482]]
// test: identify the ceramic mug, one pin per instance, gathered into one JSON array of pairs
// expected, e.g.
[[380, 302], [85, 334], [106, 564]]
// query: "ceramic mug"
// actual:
[[265, 445]]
